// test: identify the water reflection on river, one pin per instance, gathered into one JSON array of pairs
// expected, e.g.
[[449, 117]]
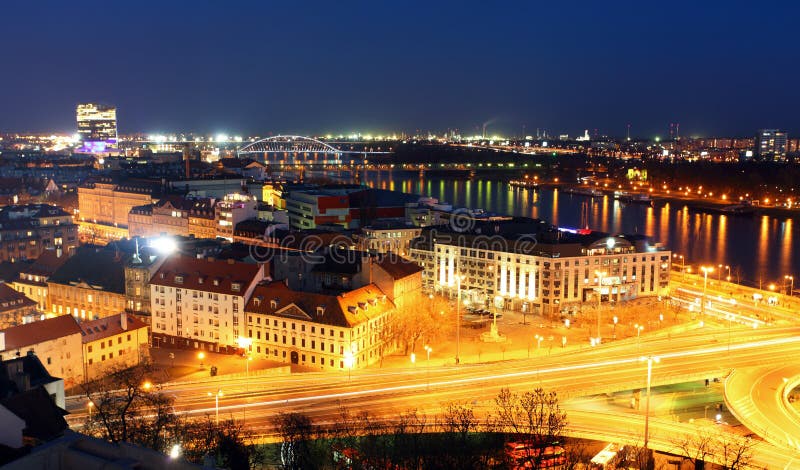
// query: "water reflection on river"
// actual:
[[760, 248]]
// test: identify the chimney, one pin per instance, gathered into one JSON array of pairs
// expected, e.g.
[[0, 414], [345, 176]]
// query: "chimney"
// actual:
[[123, 321]]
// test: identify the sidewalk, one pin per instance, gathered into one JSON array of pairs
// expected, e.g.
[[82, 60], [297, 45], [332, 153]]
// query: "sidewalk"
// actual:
[[521, 341], [185, 364]]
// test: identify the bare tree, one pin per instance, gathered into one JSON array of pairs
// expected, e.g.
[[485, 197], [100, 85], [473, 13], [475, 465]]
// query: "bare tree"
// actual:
[[697, 446], [732, 452], [409, 434], [534, 419], [127, 407], [228, 443], [428, 319], [577, 454], [459, 425], [297, 432]]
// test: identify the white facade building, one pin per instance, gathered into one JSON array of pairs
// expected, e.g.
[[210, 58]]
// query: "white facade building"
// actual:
[[199, 303], [528, 272]]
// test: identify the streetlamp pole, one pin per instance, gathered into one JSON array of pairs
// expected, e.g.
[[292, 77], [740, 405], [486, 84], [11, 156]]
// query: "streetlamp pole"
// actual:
[[639, 329], [428, 350], [216, 404], [458, 318], [600, 275], [705, 270], [650, 360]]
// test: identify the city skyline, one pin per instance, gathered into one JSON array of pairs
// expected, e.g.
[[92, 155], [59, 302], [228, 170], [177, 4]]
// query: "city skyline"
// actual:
[[250, 69]]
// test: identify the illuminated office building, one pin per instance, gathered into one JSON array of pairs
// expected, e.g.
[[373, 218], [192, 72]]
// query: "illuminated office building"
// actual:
[[97, 127], [771, 144]]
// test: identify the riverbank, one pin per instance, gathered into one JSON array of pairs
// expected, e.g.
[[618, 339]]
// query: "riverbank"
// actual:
[[703, 205]]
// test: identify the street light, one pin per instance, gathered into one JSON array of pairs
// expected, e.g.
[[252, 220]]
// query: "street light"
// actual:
[[175, 451], [639, 329], [682, 265], [147, 385], [216, 403], [650, 360], [706, 270], [414, 360], [428, 350], [245, 343], [600, 275], [348, 362], [615, 327], [458, 317], [719, 272], [90, 405], [201, 355], [791, 280]]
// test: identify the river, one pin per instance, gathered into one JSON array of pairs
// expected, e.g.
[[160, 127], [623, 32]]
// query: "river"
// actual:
[[758, 249]]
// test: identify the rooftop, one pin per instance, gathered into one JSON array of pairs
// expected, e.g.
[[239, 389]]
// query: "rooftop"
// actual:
[[397, 267], [49, 329], [47, 263], [102, 268], [344, 310], [95, 330], [209, 274], [44, 420], [10, 299]]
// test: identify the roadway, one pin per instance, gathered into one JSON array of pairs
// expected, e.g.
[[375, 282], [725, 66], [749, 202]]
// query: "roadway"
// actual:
[[614, 366], [730, 298], [759, 399]]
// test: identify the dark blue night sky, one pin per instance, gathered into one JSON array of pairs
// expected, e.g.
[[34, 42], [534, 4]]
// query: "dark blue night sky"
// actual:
[[339, 66]]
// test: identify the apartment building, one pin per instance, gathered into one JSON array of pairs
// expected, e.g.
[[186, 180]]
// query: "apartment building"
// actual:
[[231, 210], [173, 215], [27, 231], [199, 303]]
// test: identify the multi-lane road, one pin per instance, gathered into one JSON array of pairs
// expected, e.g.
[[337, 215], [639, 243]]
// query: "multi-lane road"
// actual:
[[694, 355], [759, 398]]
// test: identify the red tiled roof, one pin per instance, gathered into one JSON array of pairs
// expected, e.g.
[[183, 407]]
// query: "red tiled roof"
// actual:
[[47, 263], [344, 310], [396, 267], [95, 330], [38, 332], [10, 299], [209, 275]]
